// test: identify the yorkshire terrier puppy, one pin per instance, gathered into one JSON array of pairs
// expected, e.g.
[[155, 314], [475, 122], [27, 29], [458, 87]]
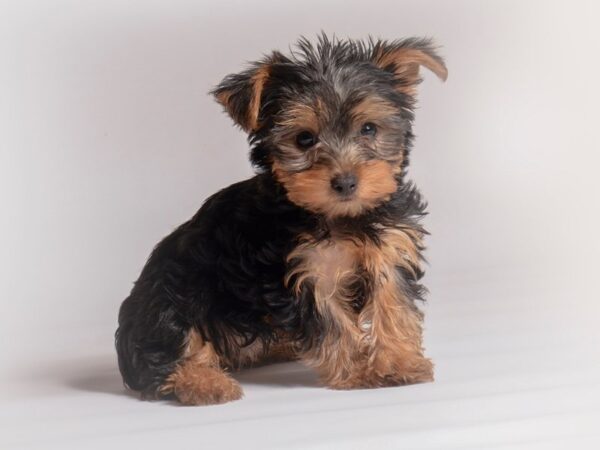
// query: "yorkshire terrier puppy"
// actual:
[[317, 257]]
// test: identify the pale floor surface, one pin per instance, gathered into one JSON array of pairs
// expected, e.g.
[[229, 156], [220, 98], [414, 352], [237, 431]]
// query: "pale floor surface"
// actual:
[[516, 368]]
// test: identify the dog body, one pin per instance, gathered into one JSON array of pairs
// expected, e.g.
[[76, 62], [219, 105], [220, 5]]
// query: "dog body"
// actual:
[[317, 257]]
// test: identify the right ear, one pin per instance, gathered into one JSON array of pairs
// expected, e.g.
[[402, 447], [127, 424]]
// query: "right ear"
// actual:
[[403, 58], [241, 93]]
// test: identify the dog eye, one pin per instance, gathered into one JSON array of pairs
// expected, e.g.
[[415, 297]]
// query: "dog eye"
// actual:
[[368, 129], [306, 139]]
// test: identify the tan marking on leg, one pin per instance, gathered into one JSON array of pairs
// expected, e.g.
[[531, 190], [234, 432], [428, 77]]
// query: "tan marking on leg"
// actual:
[[258, 354], [383, 344], [395, 338], [252, 353], [281, 352], [330, 266], [199, 378]]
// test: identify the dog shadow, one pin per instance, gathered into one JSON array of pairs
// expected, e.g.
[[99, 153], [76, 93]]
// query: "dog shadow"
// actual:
[[101, 375], [284, 374]]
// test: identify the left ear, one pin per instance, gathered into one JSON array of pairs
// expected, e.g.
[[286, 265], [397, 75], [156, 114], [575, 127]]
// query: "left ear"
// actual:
[[241, 93], [404, 58]]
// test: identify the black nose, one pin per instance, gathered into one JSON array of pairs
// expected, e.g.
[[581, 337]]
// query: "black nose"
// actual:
[[344, 184]]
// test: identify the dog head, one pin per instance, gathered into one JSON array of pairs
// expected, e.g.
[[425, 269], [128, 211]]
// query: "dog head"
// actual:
[[332, 122]]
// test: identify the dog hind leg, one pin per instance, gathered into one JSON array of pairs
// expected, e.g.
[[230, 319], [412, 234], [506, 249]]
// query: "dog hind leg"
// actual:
[[199, 378]]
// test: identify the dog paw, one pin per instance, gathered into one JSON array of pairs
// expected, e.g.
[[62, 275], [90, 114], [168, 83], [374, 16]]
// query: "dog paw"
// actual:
[[208, 387], [412, 372]]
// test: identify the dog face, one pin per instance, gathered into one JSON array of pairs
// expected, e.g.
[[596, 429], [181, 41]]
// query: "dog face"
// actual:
[[332, 122]]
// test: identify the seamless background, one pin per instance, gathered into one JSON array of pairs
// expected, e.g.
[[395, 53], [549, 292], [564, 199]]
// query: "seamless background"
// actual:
[[109, 140]]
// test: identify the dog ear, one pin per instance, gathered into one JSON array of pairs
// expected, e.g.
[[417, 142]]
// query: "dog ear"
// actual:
[[241, 93], [404, 58]]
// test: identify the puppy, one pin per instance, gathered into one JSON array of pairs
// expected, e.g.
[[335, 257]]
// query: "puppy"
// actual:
[[317, 257]]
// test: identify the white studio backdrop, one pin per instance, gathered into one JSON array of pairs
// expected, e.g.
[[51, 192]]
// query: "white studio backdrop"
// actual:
[[109, 140]]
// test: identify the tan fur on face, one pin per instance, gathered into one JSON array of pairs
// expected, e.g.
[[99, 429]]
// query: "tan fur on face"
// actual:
[[373, 109], [300, 116], [312, 190], [381, 345], [376, 182]]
